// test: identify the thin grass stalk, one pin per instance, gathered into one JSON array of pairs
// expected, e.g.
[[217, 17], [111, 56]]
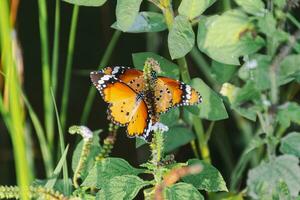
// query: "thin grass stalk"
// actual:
[[14, 114], [46, 152], [67, 78], [48, 107], [55, 53], [92, 92], [62, 148]]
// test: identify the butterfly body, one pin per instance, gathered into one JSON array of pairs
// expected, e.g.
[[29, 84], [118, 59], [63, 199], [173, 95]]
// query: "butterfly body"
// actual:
[[132, 104]]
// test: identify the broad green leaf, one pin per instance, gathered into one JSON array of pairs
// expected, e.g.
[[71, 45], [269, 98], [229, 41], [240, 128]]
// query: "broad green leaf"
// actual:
[[182, 191], [94, 150], [290, 144], [287, 113], [221, 72], [126, 13], [194, 8], [225, 38], [177, 136], [145, 22], [280, 3], [256, 68], [267, 24], [168, 68], [209, 179], [181, 38], [289, 68], [263, 180], [171, 117], [106, 169], [212, 107], [254, 7], [86, 2], [121, 187]]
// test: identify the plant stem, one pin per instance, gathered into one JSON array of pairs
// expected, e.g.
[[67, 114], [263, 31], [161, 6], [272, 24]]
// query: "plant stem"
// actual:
[[48, 106], [55, 53], [13, 113], [167, 10], [67, 78], [92, 92]]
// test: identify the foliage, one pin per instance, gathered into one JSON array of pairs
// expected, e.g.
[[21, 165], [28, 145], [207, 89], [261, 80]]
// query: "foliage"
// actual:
[[248, 55]]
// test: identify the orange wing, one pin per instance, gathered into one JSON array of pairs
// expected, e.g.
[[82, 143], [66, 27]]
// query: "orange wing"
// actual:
[[182, 94], [126, 107]]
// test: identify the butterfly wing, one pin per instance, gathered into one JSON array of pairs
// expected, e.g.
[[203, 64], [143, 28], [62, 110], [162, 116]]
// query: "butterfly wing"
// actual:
[[126, 107], [181, 94]]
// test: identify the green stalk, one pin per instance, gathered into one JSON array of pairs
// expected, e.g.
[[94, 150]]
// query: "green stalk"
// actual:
[[67, 78], [92, 92], [14, 111], [49, 114], [55, 53], [167, 10]]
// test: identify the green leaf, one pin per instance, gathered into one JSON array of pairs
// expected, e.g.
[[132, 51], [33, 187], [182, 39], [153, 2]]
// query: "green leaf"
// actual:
[[126, 12], [289, 69], [222, 73], [106, 169], [181, 38], [94, 150], [182, 191], [145, 22], [168, 68], [212, 107], [256, 69], [177, 136], [225, 38], [121, 187], [267, 24], [280, 3], [193, 8], [254, 7], [246, 101], [209, 179], [263, 180], [86, 2], [287, 113], [290, 144], [171, 117]]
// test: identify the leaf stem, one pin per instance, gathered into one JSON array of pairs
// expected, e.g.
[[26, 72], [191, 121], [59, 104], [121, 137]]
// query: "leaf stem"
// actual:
[[92, 92]]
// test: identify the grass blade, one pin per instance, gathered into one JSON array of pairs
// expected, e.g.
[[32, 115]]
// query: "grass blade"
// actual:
[[62, 147], [92, 92], [51, 182], [48, 106], [66, 87], [46, 151], [13, 110], [55, 53]]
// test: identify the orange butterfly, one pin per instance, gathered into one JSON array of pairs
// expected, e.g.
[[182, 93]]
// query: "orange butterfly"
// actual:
[[124, 89]]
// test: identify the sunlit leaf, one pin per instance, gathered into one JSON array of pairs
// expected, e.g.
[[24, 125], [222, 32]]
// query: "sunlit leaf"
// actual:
[[126, 12], [86, 2], [145, 22], [194, 8], [181, 38], [225, 38], [254, 7]]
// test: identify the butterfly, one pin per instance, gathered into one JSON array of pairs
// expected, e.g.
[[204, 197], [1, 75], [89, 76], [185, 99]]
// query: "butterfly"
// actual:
[[124, 90]]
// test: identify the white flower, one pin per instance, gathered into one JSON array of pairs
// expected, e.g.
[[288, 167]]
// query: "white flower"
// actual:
[[159, 127]]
